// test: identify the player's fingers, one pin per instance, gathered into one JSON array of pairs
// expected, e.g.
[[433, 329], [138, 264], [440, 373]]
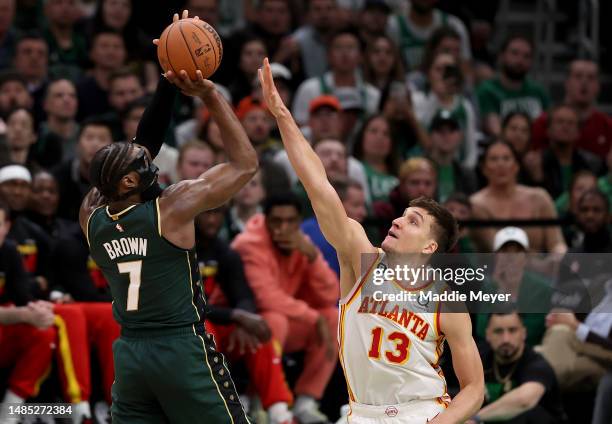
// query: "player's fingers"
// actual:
[[175, 17], [200, 77], [196, 18], [185, 14], [156, 41], [260, 76]]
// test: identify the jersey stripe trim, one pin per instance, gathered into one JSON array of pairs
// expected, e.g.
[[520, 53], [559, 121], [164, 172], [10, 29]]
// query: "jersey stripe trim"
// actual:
[[341, 353], [87, 224], [116, 216], [191, 287], [159, 230], [40, 380], [357, 287], [73, 390], [215, 381]]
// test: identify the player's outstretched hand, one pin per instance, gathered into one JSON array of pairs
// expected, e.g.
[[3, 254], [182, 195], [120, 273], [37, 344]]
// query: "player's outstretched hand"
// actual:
[[184, 15], [270, 94], [201, 87]]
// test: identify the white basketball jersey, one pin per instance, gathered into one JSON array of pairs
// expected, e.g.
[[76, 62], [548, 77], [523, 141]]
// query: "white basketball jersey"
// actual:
[[389, 350]]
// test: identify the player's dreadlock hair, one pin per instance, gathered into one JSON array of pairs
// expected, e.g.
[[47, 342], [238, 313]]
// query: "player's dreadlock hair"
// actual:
[[108, 166]]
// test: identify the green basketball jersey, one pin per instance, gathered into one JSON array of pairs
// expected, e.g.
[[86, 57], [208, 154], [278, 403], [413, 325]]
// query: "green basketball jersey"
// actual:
[[154, 284]]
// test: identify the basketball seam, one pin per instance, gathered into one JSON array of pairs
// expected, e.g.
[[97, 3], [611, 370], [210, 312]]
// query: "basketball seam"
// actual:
[[188, 49], [168, 53], [212, 43]]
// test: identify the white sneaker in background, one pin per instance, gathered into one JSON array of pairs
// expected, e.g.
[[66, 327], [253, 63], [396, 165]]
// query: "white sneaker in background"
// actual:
[[102, 413], [306, 411], [344, 411]]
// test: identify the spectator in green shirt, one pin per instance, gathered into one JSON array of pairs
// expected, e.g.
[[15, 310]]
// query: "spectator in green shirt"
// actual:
[[66, 46], [511, 90], [375, 148]]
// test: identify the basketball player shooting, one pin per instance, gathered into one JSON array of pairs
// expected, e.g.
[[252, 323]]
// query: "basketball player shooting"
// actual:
[[392, 371]]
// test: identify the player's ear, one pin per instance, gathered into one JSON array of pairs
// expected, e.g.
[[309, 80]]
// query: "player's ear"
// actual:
[[430, 248], [130, 180]]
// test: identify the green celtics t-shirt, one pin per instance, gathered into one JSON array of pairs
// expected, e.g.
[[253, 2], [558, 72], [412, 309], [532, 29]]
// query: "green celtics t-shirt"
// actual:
[[493, 97], [380, 184], [566, 176], [446, 182]]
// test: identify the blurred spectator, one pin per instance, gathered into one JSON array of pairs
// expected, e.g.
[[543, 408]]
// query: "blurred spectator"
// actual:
[[567, 205], [417, 177], [245, 204], [195, 157], [33, 243], [73, 175], [116, 15], [7, 32], [445, 142], [27, 334], [372, 21], [67, 46], [58, 134], [240, 333], [411, 30], [306, 49], [352, 197], [382, 63], [107, 54], [581, 92], [31, 61], [20, 136], [605, 182], [252, 54], [43, 205], [458, 204], [445, 83], [562, 158], [443, 40], [516, 131], [258, 127], [504, 198], [282, 80], [521, 386], [342, 80], [13, 94], [296, 295], [375, 149], [511, 90], [124, 87], [529, 292]]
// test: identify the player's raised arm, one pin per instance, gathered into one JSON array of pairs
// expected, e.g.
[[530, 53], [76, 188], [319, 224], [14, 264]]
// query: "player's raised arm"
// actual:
[[343, 233], [219, 184], [468, 368]]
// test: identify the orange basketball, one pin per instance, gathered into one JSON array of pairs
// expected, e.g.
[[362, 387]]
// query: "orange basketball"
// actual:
[[190, 44]]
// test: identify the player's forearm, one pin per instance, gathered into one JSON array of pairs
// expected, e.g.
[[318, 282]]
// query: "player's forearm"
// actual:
[[236, 143], [506, 407], [463, 406], [11, 315]]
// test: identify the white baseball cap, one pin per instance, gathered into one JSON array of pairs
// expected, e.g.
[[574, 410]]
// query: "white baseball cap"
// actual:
[[508, 234], [15, 172]]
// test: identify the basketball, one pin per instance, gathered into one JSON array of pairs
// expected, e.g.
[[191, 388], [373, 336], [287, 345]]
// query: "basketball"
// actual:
[[190, 44]]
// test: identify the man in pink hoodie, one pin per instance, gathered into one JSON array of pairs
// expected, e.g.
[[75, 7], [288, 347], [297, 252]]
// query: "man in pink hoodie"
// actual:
[[296, 292]]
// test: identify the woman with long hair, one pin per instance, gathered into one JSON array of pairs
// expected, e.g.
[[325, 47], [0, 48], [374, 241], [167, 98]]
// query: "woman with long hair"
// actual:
[[383, 63]]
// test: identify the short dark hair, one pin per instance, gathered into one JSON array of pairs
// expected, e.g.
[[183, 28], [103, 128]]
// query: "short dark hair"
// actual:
[[434, 41], [514, 113], [459, 197], [141, 102], [95, 121], [503, 309], [445, 229], [342, 185], [106, 31], [348, 30], [281, 198], [557, 108], [31, 35], [580, 174], [489, 146], [513, 37], [597, 193], [124, 72], [11, 75]]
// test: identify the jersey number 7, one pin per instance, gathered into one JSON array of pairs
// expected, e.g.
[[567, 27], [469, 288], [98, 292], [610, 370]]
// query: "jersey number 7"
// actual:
[[134, 269], [399, 355]]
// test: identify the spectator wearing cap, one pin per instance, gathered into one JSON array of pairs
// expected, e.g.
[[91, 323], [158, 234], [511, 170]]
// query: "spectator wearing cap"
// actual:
[[445, 82], [58, 134], [282, 80], [504, 198], [376, 150], [20, 136], [343, 80], [582, 87], [33, 243], [412, 29], [373, 19], [31, 61], [108, 54], [557, 163], [66, 45], [445, 142], [308, 44], [73, 175], [521, 386], [325, 123], [7, 32], [529, 292], [511, 89]]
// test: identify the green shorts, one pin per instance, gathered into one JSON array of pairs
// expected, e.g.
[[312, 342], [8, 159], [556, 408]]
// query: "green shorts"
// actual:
[[172, 376]]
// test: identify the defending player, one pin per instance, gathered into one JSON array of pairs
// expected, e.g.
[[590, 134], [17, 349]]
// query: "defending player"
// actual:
[[166, 366], [392, 373]]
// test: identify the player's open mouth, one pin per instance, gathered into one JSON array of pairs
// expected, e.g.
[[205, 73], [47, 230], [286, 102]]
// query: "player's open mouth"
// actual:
[[391, 234]]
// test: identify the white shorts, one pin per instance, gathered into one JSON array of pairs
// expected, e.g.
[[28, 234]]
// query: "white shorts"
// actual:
[[415, 412]]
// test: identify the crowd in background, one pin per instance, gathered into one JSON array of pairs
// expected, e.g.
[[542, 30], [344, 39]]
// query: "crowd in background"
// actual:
[[399, 99]]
